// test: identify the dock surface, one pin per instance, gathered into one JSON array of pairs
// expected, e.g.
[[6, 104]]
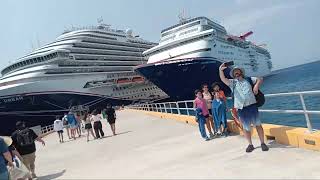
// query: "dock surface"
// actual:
[[151, 147]]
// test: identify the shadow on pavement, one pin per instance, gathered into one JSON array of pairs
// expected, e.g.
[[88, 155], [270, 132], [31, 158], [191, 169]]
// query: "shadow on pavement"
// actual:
[[124, 132], [52, 176]]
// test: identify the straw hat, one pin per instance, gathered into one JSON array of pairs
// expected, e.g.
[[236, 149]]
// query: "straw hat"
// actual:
[[7, 140], [235, 68]]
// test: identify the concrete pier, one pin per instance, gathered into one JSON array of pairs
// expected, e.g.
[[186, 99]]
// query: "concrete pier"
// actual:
[[150, 147]]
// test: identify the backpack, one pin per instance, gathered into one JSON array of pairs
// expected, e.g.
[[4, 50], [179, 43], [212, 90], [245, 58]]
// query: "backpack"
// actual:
[[260, 96], [65, 121], [24, 138]]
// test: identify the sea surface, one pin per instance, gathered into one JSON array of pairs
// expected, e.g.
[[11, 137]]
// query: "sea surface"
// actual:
[[304, 77]]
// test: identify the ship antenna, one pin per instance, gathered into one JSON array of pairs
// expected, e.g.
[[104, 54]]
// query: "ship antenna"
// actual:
[[182, 16], [100, 20]]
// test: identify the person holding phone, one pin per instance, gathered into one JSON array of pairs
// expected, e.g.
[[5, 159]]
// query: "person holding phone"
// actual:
[[245, 102]]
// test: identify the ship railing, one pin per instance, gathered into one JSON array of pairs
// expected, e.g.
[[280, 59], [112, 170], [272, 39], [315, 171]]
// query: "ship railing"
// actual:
[[186, 107], [47, 129]]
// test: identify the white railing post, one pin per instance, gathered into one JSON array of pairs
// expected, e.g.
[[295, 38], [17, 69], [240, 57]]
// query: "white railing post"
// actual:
[[170, 107], [177, 104], [186, 104], [165, 107], [306, 115]]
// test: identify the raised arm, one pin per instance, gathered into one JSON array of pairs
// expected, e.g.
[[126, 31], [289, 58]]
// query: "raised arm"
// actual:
[[222, 76], [40, 140]]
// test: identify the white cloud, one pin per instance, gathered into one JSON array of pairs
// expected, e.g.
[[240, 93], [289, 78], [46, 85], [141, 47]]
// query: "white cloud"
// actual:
[[246, 20]]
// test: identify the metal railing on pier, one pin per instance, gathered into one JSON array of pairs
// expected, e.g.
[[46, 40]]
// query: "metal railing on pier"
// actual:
[[47, 129], [186, 107]]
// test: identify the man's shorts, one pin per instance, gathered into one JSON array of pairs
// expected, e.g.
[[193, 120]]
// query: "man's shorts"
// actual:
[[248, 116], [60, 132]]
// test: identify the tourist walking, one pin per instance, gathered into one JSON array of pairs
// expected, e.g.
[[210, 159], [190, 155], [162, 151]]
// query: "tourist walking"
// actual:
[[88, 126], [23, 140], [199, 102], [78, 128], [58, 127], [73, 124], [208, 98], [66, 124], [97, 125], [245, 102], [111, 118], [4, 156], [20, 171]]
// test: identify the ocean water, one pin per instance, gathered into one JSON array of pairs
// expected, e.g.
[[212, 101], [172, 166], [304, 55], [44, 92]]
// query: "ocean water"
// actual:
[[298, 78]]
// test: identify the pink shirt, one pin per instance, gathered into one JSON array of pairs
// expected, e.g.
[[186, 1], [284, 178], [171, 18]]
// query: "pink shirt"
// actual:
[[202, 104]]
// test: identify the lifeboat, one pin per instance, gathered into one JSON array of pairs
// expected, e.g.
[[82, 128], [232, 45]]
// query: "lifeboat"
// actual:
[[137, 79], [123, 80]]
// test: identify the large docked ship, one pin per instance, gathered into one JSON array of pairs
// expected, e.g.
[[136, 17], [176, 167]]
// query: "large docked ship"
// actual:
[[190, 53], [84, 68]]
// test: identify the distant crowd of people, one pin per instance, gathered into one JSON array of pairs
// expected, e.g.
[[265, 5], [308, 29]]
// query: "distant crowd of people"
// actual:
[[91, 122], [211, 106]]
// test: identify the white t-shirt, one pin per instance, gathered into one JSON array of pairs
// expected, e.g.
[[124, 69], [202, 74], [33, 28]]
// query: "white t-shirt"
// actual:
[[58, 125], [96, 118]]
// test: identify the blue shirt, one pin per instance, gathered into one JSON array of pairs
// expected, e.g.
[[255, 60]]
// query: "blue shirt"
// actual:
[[243, 94], [71, 119], [3, 149]]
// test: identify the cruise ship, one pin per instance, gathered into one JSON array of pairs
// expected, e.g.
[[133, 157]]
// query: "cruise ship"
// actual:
[[83, 69], [189, 54]]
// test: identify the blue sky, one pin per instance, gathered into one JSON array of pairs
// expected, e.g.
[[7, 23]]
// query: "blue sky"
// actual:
[[290, 28]]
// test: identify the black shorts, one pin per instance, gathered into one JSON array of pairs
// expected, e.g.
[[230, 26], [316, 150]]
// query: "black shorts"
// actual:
[[207, 116], [60, 132], [88, 126], [210, 112], [111, 120]]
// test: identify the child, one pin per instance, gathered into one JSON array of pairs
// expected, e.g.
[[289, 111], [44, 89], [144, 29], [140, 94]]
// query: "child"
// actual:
[[88, 126], [208, 97], [216, 88], [199, 102], [58, 127], [219, 114], [201, 122]]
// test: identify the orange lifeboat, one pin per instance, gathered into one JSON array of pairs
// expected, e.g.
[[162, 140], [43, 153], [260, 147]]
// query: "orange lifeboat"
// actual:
[[123, 80], [137, 79]]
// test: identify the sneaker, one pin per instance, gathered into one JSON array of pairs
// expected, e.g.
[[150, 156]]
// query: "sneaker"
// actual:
[[211, 136], [207, 139], [264, 147], [250, 148], [225, 134], [33, 175]]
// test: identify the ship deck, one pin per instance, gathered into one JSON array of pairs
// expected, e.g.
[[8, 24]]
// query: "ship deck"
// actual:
[[151, 147]]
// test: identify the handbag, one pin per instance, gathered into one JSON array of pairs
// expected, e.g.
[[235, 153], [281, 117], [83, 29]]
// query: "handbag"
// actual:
[[260, 96], [19, 170]]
